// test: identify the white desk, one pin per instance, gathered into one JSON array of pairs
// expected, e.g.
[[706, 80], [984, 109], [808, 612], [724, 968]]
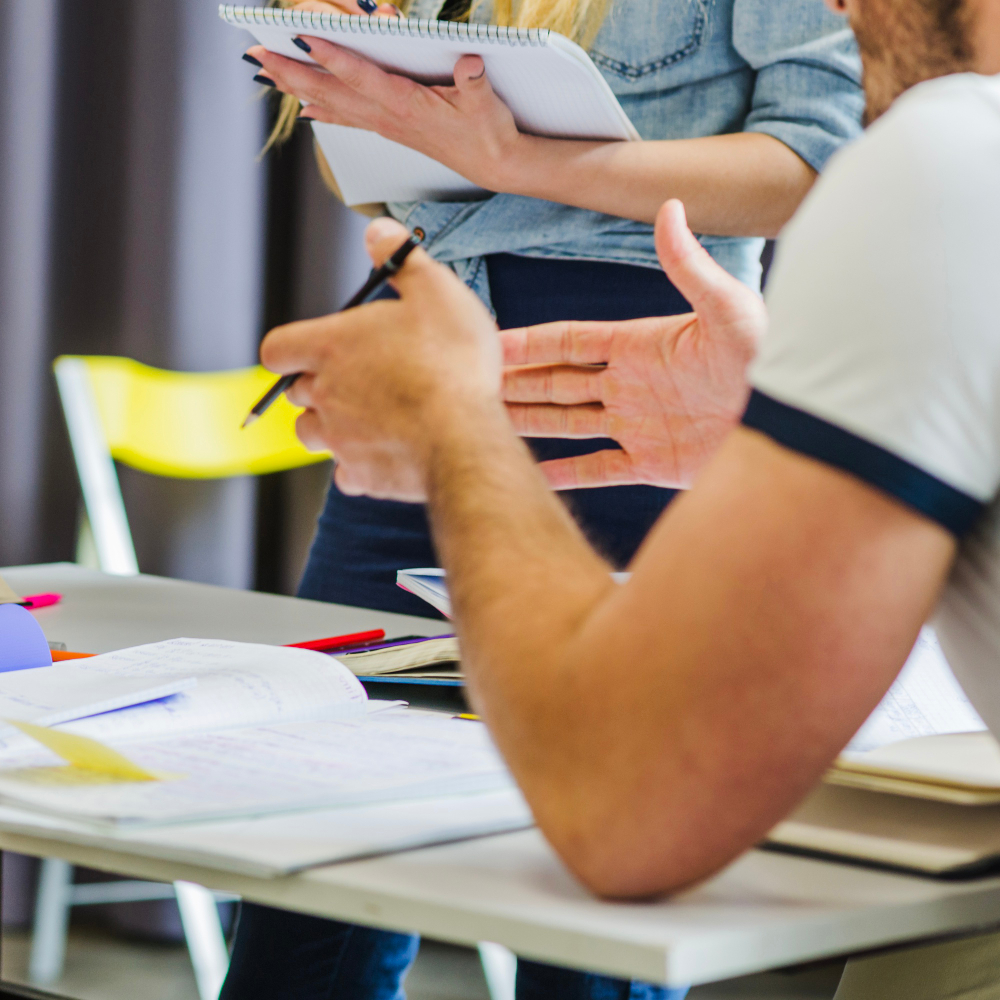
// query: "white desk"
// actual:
[[100, 613], [764, 911]]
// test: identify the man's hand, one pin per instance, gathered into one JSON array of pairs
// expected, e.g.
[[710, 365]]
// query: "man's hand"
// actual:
[[383, 384], [673, 387]]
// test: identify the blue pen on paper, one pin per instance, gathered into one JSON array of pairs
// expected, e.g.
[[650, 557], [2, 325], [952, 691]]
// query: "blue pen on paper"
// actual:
[[22, 642]]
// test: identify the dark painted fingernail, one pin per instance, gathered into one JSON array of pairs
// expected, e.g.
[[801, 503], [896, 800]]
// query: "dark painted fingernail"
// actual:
[[302, 44], [250, 59], [267, 81], [304, 118], [368, 6]]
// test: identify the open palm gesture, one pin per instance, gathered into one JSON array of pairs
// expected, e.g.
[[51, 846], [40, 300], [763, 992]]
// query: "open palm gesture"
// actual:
[[666, 389]]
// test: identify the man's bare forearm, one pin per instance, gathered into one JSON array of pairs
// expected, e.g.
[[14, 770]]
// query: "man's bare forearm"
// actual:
[[659, 728], [525, 584], [521, 575]]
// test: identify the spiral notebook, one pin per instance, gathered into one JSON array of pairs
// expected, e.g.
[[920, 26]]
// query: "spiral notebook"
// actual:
[[549, 83]]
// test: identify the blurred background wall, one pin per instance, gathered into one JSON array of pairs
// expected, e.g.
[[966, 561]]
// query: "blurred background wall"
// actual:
[[136, 218]]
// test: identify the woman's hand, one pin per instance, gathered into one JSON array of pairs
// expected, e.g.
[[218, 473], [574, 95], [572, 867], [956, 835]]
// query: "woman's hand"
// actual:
[[464, 126]]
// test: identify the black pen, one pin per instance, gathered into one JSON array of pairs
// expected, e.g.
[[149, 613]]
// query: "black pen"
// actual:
[[376, 279]]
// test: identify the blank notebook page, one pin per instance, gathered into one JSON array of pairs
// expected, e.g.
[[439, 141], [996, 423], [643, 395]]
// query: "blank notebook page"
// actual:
[[549, 83]]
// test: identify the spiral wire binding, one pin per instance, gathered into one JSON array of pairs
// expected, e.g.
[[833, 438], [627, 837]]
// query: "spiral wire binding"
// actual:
[[455, 31]]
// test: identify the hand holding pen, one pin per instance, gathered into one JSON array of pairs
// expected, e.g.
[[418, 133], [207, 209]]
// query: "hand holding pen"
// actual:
[[375, 281]]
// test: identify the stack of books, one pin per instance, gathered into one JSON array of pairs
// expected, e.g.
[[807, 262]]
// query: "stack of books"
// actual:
[[929, 805]]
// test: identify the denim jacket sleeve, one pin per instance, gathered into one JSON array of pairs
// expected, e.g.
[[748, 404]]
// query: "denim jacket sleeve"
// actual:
[[807, 90]]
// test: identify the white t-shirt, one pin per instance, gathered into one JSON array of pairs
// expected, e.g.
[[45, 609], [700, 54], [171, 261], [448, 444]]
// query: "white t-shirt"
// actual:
[[883, 354]]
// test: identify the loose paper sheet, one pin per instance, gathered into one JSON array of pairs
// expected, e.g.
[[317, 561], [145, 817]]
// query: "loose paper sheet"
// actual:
[[390, 755], [926, 700], [70, 690]]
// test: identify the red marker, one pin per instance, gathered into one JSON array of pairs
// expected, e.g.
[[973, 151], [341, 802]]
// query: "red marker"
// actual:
[[320, 645], [340, 641]]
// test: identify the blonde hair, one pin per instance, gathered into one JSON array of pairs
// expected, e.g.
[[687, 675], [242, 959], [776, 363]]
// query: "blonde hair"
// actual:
[[577, 19]]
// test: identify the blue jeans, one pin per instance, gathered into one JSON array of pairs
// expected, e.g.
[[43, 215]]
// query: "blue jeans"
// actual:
[[360, 544], [292, 956]]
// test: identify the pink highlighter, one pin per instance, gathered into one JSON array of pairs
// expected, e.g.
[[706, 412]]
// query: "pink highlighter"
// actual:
[[37, 601]]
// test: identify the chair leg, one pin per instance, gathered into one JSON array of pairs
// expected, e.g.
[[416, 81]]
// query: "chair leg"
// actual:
[[48, 939], [205, 940], [499, 968]]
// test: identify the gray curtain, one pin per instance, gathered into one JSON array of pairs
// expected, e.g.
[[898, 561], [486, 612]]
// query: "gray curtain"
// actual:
[[137, 219], [27, 103]]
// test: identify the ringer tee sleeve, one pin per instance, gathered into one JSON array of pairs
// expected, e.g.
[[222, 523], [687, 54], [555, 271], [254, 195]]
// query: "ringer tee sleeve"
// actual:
[[883, 352], [807, 91]]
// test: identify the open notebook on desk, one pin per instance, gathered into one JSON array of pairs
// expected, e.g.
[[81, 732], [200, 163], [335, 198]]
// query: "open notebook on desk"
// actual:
[[239, 684], [266, 730], [549, 83]]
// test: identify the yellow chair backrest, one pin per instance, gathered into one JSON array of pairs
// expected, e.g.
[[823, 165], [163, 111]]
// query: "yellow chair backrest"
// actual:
[[187, 425]]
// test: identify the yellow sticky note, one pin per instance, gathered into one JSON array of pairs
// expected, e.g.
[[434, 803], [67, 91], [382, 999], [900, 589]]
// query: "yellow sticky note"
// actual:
[[7, 596], [86, 753]]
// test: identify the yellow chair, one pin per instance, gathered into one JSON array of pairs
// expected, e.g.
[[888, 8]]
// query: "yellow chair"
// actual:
[[178, 424], [169, 424]]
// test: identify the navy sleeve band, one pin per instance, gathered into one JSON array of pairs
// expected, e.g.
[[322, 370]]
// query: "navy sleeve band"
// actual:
[[808, 434]]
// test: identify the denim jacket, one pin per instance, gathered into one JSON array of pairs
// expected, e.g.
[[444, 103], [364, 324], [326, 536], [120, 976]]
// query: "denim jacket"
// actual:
[[680, 69]]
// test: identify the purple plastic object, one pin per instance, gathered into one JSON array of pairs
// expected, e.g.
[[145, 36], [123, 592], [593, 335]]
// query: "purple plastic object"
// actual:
[[22, 641], [387, 644]]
